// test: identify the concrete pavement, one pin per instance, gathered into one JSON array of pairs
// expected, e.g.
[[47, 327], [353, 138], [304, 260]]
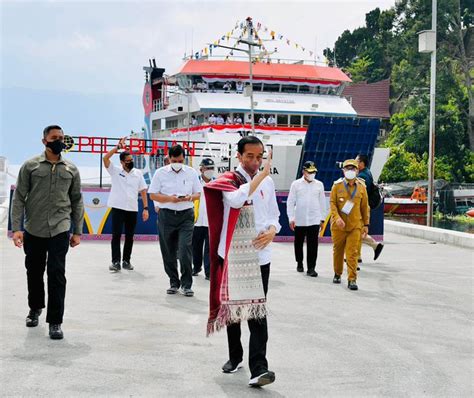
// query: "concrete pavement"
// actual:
[[408, 331]]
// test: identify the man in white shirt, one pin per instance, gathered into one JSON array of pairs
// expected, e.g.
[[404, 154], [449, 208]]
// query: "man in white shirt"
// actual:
[[201, 226], [306, 209], [262, 121], [212, 119], [271, 121], [219, 119], [245, 187], [176, 186], [127, 182]]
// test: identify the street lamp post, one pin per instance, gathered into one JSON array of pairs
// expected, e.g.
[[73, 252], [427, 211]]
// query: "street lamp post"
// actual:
[[427, 43]]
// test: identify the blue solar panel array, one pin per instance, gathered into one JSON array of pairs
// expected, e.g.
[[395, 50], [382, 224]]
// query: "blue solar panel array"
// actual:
[[334, 139]]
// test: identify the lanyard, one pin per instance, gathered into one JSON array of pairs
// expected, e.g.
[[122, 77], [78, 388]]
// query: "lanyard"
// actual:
[[353, 192]]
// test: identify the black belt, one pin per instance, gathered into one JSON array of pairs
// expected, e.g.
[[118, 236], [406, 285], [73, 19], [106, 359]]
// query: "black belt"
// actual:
[[175, 211]]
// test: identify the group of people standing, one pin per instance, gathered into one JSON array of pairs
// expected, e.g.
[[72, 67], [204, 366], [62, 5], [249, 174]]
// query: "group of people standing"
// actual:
[[234, 247], [349, 214]]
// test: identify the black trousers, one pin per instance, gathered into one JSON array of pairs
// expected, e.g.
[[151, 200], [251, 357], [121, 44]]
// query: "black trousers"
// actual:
[[175, 230], [311, 234], [200, 242], [120, 219], [258, 337], [49, 254]]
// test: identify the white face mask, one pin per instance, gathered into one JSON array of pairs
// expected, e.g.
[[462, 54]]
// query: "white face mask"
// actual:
[[350, 174], [176, 166], [209, 174], [309, 177]]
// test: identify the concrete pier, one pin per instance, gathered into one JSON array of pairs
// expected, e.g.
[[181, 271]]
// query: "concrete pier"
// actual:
[[407, 332]]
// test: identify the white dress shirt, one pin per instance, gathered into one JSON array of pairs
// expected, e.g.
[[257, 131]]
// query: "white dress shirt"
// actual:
[[167, 182], [125, 188], [306, 203], [202, 220], [265, 210]]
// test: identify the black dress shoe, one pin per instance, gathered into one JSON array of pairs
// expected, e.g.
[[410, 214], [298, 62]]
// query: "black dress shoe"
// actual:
[[352, 285], [312, 273], [230, 367], [378, 250], [115, 266], [32, 318], [336, 279], [55, 332], [299, 267], [196, 272], [127, 265]]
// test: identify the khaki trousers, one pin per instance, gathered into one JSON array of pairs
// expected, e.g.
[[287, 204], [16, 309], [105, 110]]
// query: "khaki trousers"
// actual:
[[347, 242]]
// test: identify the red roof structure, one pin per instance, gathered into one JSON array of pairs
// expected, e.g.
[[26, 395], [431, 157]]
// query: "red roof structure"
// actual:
[[370, 99], [263, 70]]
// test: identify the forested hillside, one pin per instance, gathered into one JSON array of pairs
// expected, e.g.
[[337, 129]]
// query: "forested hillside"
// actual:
[[387, 47]]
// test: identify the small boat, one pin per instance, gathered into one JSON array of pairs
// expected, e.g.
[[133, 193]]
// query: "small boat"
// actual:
[[470, 212], [394, 205]]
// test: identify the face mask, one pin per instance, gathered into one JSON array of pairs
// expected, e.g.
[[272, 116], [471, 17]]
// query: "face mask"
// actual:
[[350, 174], [176, 166], [209, 174], [309, 177], [129, 166], [56, 146]]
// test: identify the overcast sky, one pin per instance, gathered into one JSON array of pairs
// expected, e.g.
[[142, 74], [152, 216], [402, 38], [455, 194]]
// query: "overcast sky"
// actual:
[[101, 46]]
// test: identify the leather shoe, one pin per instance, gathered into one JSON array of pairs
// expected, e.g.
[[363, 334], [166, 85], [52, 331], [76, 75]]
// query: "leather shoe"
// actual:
[[336, 279], [32, 318], [312, 273], [55, 332], [378, 250], [299, 267]]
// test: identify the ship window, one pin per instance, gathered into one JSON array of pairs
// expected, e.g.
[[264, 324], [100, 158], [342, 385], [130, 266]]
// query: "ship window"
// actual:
[[171, 124], [271, 87], [257, 87], [282, 120], [323, 90], [306, 120], [295, 120], [288, 88], [305, 89]]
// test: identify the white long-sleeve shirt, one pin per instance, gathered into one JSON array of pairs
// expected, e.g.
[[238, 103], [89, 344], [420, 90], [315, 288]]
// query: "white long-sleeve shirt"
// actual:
[[306, 203], [265, 210]]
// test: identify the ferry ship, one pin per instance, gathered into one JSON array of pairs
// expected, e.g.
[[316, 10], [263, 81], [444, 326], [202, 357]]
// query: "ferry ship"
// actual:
[[206, 101]]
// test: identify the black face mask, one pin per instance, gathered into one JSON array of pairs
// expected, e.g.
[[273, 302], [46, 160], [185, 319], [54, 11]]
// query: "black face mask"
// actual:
[[56, 146], [129, 165]]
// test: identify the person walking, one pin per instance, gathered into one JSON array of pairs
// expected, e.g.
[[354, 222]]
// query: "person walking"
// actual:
[[127, 183], [201, 226], [245, 218], [366, 175], [175, 187], [349, 221], [306, 209], [48, 198]]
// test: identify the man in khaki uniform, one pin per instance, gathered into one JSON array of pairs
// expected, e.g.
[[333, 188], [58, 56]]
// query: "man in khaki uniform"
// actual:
[[349, 221]]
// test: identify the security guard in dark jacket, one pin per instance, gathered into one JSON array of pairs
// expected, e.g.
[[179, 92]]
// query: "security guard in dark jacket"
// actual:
[[349, 221]]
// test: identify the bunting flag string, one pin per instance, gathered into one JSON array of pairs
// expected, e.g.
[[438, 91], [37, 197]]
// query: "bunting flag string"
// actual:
[[240, 30]]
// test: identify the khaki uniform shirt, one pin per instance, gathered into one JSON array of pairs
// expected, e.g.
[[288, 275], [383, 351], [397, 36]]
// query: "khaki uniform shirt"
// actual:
[[48, 197], [360, 214]]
